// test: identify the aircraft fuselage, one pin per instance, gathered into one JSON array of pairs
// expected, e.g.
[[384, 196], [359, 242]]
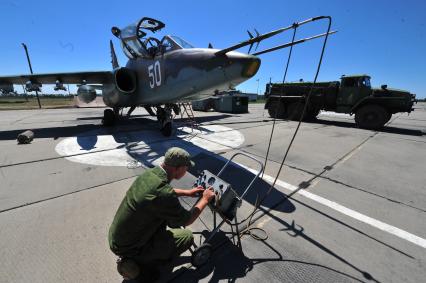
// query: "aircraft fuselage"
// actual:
[[182, 75]]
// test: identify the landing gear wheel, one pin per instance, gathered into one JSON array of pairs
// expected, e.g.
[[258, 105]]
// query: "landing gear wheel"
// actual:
[[371, 117], [165, 118], [276, 109], [161, 114], [201, 255], [166, 130], [109, 118]]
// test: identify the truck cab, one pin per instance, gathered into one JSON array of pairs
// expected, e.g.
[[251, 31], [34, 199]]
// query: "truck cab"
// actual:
[[352, 89], [373, 107]]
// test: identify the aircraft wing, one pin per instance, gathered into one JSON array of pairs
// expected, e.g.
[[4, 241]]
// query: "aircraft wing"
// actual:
[[95, 77]]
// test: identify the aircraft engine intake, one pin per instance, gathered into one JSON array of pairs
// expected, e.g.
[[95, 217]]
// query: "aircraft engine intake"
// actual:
[[125, 80], [86, 93], [119, 92]]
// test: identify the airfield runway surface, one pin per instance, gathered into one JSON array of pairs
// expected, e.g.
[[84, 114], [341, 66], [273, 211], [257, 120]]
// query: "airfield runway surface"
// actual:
[[348, 206]]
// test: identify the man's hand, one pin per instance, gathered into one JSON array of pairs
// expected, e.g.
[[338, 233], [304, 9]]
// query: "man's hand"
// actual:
[[208, 194], [196, 192]]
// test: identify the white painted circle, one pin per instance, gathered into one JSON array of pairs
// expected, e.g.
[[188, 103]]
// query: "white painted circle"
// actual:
[[136, 148]]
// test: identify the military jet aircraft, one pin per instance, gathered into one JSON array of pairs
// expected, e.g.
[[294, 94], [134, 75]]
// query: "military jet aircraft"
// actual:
[[159, 73]]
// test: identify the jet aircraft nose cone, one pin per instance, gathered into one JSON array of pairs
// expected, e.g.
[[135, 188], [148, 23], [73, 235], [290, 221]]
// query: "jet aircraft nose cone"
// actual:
[[248, 64], [251, 66]]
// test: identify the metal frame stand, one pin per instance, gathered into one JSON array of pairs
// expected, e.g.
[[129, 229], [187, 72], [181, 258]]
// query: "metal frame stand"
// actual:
[[202, 253]]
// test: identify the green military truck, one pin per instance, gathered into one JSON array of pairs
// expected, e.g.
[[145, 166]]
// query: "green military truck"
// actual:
[[352, 95]]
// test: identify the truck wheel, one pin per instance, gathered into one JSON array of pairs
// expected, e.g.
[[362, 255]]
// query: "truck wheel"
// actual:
[[311, 114], [388, 117], [295, 110], [371, 117], [276, 109]]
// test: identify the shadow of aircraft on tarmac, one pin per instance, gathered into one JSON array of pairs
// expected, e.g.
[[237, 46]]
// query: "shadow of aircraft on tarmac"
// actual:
[[140, 122], [142, 141]]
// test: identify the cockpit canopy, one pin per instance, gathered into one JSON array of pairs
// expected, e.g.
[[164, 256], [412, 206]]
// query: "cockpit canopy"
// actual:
[[135, 44]]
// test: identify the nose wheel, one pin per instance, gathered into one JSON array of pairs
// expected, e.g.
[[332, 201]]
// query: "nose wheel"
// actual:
[[165, 118]]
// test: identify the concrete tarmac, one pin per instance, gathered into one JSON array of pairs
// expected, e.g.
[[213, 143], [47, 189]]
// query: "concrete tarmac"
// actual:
[[358, 213]]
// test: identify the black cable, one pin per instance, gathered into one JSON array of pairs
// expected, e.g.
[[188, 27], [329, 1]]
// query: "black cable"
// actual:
[[306, 105], [247, 229], [295, 26]]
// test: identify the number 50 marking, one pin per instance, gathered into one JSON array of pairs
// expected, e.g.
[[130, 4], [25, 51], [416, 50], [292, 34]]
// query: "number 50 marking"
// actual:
[[154, 73]]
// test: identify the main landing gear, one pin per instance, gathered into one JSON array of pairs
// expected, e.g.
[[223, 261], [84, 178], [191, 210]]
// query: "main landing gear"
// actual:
[[110, 116], [165, 119], [164, 116]]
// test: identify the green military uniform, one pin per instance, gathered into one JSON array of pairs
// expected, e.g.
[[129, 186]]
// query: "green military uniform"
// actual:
[[138, 230]]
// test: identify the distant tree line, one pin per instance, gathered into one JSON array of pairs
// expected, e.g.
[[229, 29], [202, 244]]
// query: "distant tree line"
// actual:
[[17, 95]]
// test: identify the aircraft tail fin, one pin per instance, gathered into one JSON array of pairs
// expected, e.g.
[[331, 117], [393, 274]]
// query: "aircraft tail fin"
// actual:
[[114, 60]]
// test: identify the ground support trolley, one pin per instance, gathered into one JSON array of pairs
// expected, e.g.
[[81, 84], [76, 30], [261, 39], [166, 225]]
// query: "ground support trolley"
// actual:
[[225, 204]]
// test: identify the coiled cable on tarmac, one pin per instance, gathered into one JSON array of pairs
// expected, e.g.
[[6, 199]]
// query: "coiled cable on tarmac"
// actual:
[[248, 229]]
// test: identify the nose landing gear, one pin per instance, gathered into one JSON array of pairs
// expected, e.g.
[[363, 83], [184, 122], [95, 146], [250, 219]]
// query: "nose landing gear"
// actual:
[[165, 119]]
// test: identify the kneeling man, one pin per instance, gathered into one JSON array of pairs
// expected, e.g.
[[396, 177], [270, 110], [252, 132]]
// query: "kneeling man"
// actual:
[[138, 233]]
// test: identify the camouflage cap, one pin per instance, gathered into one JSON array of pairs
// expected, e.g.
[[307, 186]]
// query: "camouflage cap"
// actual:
[[176, 157]]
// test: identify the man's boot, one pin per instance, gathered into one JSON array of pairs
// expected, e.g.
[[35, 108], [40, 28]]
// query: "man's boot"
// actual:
[[128, 268]]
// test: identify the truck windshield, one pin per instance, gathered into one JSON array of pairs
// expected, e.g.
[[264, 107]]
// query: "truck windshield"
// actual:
[[366, 82]]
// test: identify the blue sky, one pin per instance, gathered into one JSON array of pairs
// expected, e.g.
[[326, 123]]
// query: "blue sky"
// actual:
[[386, 39]]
